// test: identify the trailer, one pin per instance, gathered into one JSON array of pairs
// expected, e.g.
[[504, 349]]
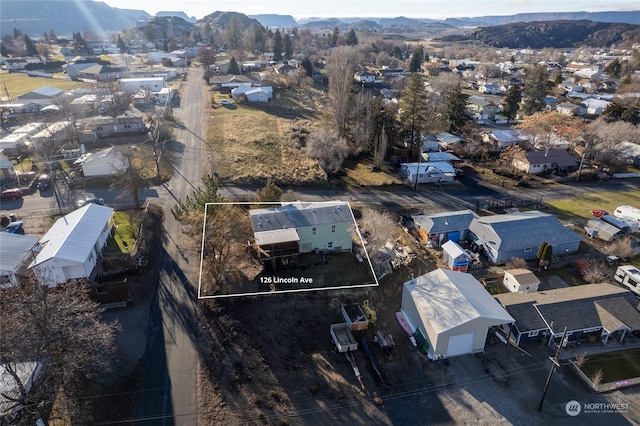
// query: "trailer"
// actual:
[[627, 211], [343, 338], [628, 276], [355, 317]]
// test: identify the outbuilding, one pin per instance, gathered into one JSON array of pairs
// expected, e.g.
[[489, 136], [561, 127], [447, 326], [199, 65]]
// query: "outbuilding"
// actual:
[[520, 280], [452, 311], [456, 258]]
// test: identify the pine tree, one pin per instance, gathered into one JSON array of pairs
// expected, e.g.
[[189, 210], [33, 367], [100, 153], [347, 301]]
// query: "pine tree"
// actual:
[[413, 103], [535, 89], [416, 60], [333, 37], [288, 47], [29, 46], [233, 68], [278, 47], [351, 38], [512, 102], [455, 113], [121, 45]]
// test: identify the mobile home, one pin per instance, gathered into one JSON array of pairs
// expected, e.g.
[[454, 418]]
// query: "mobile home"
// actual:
[[629, 276], [627, 211]]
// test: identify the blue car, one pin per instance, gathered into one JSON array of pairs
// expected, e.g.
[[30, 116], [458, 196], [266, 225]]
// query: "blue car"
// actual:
[[15, 228]]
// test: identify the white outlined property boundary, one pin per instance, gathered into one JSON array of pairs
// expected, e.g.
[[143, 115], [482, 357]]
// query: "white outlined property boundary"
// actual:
[[302, 290]]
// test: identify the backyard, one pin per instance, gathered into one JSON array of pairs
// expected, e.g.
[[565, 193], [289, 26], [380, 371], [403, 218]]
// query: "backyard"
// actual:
[[615, 366], [18, 83]]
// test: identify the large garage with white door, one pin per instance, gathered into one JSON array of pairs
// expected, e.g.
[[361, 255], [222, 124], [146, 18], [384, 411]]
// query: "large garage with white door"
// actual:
[[452, 311]]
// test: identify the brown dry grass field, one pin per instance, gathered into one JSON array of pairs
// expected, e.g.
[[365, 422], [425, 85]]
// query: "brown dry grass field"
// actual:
[[251, 142]]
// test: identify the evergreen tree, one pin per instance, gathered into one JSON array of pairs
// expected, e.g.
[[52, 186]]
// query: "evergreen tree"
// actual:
[[541, 250], [351, 38], [614, 68], [288, 47], [333, 37], [455, 113], [413, 103], [278, 47], [53, 36], [512, 102], [233, 68], [16, 33], [397, 53], [3, 50], [535, 89], [121, 45], [307, 66], [30, 46], [417, 59]]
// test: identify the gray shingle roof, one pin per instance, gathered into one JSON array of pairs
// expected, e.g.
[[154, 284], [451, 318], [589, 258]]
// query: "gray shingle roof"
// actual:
[[13, 249], [514, 231], [438, 223], [298, 215]]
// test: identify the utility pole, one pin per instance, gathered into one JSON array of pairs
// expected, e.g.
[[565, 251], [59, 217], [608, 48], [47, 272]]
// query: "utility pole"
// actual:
[[556, 363], [582, 161]]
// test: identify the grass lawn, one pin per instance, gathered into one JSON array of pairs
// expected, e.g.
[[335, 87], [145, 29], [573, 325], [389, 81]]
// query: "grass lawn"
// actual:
[[581, 205], [125, 236], [359, 174], [615, 366], [18, 83]]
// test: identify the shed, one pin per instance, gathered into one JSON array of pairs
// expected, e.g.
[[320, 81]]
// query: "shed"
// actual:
[[597, 228], [456, 258], [452, 311], [520, 281]]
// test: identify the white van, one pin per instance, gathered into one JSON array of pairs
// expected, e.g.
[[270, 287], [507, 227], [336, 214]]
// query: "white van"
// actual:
[[627, 211], [629, 276]]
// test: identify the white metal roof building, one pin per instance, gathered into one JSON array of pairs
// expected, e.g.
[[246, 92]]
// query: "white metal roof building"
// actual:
[[71, 247], [452, 311]]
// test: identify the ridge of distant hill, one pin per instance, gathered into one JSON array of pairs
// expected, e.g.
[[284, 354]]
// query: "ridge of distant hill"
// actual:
[[177, 14], [628, 17], [275, 21], [552, 34], [65, 17]]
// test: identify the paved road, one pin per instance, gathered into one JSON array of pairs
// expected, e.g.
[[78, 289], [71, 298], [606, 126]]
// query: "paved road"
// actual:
[[168, 395]]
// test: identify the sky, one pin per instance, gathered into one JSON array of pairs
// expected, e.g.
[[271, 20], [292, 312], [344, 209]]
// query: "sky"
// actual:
[[434, 9]]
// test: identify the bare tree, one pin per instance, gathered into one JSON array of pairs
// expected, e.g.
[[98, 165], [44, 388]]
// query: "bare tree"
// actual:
[[61, 329], [328, 147], [341, 66], [606, 138], [596, 272], [377, 228], [596, 378], [225, 258], [621, 248], [116, 100], [129, 167]]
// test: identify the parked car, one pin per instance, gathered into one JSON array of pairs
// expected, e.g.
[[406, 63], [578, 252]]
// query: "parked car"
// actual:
[[43, 182], [92, 200], [599, 213], [11, 194], [15, 228], [226, 102]]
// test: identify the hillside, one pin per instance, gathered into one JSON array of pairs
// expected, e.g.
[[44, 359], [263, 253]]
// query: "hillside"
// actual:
[[65, 17], [221, 20], [275, 21], [555, 34]]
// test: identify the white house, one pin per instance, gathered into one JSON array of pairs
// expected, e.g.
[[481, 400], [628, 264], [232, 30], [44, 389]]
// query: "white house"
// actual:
[[364, 77], [595, 106], [489, 88], [164, 95], [324, 226], [134, 85], [452, 312], [520, 281], [428, 172], [500, 139], [105, 162], [253, 94], [72, 246], [54, 134]]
